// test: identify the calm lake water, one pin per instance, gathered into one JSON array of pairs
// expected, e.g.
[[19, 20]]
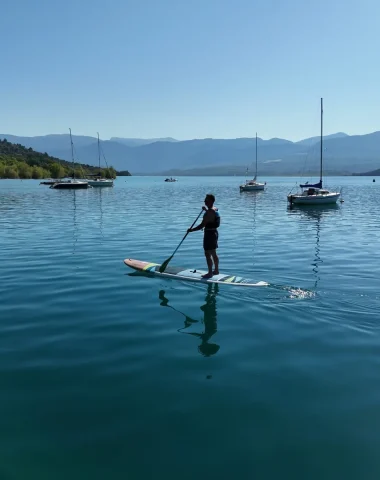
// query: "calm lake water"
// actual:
[[105, 374]]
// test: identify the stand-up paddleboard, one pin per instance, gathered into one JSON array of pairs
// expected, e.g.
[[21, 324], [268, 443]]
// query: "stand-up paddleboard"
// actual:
[[180, 273]]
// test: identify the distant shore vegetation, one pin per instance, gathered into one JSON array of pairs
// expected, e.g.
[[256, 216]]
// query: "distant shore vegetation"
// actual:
[[17, 161]]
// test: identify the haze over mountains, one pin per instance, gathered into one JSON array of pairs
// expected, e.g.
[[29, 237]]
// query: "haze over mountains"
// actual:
[[136, 142], [343, 154]]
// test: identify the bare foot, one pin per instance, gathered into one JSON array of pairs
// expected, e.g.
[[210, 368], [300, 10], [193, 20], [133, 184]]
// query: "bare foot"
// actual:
[[215, 272], [207, 275]]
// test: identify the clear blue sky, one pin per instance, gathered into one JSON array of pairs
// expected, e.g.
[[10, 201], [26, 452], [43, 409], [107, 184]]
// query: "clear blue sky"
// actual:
[[189, 69]]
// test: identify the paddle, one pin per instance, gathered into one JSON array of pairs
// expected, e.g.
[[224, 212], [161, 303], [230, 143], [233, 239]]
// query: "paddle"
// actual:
[[166, 262]]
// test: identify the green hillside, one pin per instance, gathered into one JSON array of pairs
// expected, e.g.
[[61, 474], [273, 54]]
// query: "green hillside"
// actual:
[[17, 161]]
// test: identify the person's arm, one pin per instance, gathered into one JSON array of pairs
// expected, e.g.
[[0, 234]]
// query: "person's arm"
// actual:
[[199, 227], [206, 219]]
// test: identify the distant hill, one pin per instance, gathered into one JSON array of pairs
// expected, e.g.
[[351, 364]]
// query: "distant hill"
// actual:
[[313, 140], [343, 154], [62, 141], [240, 171], [374, 173], [136, 142], [17, 161], [48, 143], [114, 153]]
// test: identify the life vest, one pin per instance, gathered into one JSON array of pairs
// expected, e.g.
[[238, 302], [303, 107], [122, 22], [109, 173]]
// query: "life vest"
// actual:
[[215, 224]]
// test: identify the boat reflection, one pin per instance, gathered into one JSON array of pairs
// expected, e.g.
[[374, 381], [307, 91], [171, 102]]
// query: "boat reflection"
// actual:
[[75, 221], [250, 200], [98, 194], [315, 215], [209, 321]]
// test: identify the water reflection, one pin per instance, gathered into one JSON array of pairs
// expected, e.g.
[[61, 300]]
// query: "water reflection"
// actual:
[[314, 215], [98, 192], [75, 222], [209, 320], [250, 200]]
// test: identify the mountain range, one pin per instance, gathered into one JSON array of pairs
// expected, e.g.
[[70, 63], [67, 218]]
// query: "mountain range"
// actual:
[[343, 154]]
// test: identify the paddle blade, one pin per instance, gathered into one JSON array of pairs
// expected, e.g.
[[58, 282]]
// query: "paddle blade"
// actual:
[[164, 265]]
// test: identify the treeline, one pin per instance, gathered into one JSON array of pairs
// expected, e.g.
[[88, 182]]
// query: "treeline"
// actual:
[[17, 161]]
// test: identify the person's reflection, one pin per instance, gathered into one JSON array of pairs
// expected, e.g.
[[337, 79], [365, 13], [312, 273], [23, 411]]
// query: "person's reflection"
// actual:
[[209, 320]]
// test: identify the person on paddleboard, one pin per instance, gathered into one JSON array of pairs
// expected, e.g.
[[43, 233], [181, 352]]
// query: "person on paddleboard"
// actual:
[[210, 224]]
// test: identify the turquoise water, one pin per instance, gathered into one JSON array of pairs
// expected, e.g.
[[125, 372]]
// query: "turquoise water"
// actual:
[[107, 374]]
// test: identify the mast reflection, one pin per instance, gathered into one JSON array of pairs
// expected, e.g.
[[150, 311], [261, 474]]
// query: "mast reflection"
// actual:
[[315, 215]]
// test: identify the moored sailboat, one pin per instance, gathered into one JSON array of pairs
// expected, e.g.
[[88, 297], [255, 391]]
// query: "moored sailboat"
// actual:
[[315, 194], [252, 185], [98, 180], [72, 183]]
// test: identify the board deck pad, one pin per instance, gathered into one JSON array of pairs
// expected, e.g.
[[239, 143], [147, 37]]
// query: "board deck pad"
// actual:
[[194, 275]]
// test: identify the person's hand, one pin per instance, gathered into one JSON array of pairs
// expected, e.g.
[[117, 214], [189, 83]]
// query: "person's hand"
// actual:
[[204, 208], [189, 230]]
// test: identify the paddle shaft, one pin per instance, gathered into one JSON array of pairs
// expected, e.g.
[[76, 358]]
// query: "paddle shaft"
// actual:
[[165, 264], [186, 234]]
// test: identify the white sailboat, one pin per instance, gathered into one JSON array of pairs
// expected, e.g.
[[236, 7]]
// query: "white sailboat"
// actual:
[[252, 185], [97, 180], [72, 183], [315, 194]]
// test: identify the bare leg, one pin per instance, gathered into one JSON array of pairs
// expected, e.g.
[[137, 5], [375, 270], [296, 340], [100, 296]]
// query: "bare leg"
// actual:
[[209, 264], [215, 258]]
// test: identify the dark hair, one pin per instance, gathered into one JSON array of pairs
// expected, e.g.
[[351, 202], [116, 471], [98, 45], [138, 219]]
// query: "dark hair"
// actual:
[[211, 197]]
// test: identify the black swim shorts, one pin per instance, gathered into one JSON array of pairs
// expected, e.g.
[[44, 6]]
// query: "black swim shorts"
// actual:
[[210, 240]]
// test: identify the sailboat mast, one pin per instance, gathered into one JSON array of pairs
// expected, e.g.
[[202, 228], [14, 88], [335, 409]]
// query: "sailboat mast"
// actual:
[[72, 153], [320, 174], [99, 151], [256, 157]]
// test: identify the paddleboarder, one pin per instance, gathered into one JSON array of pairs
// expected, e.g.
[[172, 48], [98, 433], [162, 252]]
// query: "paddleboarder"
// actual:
[[210, 224]]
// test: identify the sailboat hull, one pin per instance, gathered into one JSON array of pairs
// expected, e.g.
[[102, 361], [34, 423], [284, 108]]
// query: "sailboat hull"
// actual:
[[100, 183], [252, 188], [321, 199], [70, 185]]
